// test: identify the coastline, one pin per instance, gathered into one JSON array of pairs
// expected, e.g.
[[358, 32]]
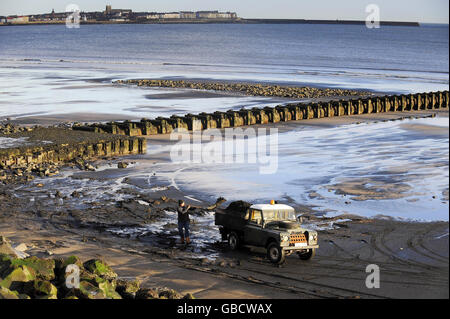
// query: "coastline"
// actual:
[[229, 21]]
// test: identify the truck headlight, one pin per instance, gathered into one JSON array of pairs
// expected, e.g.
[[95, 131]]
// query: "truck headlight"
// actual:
[[312, 238], [284, 238]]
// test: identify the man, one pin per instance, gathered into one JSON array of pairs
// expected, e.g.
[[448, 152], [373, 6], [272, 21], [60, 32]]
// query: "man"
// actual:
[[183, 221]]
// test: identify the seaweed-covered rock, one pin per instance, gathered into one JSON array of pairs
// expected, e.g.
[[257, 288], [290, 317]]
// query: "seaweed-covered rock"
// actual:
[[127, 289], [146, 293], [39, 278], [169, 294], [108, 288], [188, 296], [100, 268], [89, 291], [5, 293], [43, 268], [45, 289], [17, 277], [5, 263]]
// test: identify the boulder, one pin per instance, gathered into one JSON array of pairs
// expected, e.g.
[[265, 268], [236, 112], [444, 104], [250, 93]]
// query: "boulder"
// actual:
[[5, 263], [122, 165], [100, 268], [169, 294], [5, 247], [17, 277], [108, 288], [147, 294], [43, 268], [188, 296], [45, 289], [89, 291], [5, 293], [127, 289]]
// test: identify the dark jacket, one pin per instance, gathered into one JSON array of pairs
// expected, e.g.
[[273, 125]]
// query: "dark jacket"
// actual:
[[183, 214]]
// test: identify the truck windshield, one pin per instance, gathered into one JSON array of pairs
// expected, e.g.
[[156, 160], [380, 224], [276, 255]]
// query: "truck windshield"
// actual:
[[271, 215]]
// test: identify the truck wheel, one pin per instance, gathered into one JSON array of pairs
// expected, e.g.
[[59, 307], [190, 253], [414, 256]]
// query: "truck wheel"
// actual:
[[308, 254], [233, 241], [275, 253]]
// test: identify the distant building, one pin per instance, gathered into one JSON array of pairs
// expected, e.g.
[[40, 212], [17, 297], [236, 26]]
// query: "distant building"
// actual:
[[170, 15], [2, 19], [117, 13], [188, 15], [207, 14], [18, 19], [153, 16]]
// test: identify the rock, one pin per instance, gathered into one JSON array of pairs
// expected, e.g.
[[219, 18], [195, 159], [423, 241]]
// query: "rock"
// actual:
[[89, 291], [89, 167], [127, 289], [170, 294], [48, 297], [18, 276], [189, 296], [5, 293], [108, 288], [43, 268], [122, 165], [147, 294], [43, 288], [75, 194], [5, 247], [100, 268], [21, 247]]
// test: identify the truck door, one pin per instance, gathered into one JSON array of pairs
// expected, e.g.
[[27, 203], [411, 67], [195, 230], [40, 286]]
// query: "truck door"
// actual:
[[253, 229]]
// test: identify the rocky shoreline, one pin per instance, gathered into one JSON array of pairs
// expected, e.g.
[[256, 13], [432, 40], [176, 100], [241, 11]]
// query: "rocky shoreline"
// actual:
[[249, 89], [39, 278]]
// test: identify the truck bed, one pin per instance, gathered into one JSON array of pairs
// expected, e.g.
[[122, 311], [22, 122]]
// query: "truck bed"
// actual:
[[230, 220]]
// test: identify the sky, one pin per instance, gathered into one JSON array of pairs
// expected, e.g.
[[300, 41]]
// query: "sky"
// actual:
[[425, 11]]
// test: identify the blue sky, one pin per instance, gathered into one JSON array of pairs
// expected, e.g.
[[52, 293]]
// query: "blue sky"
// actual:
[[435, 11]]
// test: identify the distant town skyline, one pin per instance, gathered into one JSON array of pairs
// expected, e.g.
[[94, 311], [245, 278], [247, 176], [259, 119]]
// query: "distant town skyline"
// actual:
[[431, 11]]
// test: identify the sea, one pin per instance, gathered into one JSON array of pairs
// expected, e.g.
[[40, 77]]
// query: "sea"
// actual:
[[50, 69]]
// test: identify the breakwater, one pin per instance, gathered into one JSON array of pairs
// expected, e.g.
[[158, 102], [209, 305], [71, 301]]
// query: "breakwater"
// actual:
[[281, 113], [43, 150], [249, 88]]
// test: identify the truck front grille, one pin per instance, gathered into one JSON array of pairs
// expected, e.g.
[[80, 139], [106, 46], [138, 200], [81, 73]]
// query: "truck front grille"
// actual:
[[297, 238]]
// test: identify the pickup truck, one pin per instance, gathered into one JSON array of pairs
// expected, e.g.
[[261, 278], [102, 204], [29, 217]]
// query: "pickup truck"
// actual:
[[274, 227]]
